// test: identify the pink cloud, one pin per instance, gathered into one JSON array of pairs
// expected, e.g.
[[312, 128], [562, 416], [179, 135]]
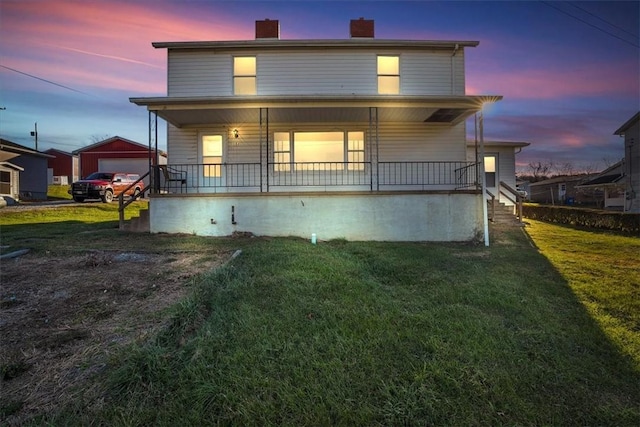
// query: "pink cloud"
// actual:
[[549, 83], [103, 44]]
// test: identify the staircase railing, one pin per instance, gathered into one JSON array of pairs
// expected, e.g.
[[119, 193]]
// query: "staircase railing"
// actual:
[[122, 204], [510, 191], [493, 205]]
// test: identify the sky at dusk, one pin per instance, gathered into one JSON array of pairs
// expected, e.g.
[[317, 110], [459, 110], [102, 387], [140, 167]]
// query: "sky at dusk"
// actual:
[[569, 71]]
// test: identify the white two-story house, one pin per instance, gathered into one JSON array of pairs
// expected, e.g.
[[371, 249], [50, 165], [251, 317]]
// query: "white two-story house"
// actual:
[[360, 138]]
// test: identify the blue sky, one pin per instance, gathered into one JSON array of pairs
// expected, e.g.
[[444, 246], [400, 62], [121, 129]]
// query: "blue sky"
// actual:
[[569, 71]]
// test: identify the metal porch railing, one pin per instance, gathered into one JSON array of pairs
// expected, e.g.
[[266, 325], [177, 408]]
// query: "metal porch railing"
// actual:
[[320, 176]]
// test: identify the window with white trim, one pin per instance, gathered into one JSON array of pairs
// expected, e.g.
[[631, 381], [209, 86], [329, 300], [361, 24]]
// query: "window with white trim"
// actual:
[[244, 75], [490, 171], [388, 75], [281, 152], [355, 151], [318, 151]]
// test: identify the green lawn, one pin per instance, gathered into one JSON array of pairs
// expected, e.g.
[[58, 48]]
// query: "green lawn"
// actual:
[[603, 270], [348, 333]]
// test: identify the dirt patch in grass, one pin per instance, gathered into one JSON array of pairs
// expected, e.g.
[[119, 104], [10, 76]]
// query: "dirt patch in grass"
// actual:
[[61, 317]]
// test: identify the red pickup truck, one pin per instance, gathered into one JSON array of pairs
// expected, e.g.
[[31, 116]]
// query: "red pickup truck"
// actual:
[[105, 186]]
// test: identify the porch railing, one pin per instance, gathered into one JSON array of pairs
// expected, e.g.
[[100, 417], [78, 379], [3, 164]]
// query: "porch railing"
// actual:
[[301, 176]]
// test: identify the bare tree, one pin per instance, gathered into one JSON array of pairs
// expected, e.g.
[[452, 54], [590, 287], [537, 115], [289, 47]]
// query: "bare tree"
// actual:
[[565, 168], [95, 138], [540, 170]]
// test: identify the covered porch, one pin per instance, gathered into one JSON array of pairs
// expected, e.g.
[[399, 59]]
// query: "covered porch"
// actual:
[[390, 143]]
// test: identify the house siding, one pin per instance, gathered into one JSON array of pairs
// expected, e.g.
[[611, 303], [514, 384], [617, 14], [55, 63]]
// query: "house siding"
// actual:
[[344, 72], [425, 142], [632, 167]]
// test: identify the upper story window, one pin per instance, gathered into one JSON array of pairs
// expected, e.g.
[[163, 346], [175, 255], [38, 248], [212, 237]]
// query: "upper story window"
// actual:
[[244, 75], [388, 75]]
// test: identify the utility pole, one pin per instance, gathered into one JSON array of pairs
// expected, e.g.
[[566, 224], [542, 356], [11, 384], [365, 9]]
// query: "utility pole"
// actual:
[[34, 133]]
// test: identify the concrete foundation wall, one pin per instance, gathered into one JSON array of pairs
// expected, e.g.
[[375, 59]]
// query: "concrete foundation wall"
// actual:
[[446, 216]]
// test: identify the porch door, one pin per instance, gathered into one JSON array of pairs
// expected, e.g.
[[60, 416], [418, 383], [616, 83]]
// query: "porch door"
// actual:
[[491, 173], [212, 160]]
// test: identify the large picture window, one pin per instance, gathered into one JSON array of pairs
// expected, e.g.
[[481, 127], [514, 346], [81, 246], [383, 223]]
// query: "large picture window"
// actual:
[[318, 151], [244, 75], [388, 75]]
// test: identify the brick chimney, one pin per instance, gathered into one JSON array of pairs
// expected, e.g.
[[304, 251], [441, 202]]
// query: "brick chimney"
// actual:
[[362, 28], [267, 29]]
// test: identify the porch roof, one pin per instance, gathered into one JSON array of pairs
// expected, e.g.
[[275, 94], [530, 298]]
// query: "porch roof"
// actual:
[[186, 111]]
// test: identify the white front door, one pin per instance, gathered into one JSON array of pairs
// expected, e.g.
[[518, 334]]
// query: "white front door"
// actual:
[[212, 160], [491, 173]]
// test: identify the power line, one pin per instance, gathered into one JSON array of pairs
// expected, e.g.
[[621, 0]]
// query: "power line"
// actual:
[[45, 80], [603, 20], [588, 23]]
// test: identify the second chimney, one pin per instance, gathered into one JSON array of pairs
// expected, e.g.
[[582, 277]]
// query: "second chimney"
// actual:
[[361, 28], [268, 29]]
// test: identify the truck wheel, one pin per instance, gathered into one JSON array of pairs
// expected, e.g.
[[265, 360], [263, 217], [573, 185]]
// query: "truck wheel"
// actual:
[[136, 193], [108, 196], [78, 199]]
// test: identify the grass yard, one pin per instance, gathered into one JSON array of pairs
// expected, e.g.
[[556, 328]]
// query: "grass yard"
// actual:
[[603, 270], [349, 333]]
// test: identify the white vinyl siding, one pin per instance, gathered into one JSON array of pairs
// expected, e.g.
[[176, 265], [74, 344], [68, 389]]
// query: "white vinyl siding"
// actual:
[[199, 73], [398, 142], [432, 71], [315, 72]]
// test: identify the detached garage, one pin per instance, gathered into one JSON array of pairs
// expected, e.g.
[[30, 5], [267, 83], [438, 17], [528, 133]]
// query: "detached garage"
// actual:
[[116, 154]]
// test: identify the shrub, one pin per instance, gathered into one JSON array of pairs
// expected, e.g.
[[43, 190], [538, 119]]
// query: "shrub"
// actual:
[[591, 218]]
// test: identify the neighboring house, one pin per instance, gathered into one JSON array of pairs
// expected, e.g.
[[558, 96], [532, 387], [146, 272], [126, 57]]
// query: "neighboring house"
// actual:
[[561, 190], [499, 167], [620, 183], [23, 172], [63, 167], [631, 132], [362, 139], [116, 154], [611, 184]]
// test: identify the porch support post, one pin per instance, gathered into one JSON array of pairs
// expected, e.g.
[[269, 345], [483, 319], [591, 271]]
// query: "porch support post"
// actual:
[[264, 150], [485, 216], [373, 148], [153, 141]]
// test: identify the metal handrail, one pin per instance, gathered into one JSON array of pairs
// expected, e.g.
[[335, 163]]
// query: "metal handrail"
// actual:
[[519, 198], [493, 204], [122, 204]]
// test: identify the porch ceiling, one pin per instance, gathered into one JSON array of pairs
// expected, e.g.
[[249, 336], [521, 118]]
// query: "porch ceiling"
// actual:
[[184, 112]]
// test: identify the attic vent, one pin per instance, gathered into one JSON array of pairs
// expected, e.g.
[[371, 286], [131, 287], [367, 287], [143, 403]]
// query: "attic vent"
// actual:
[[267, 29], [445, 115], [361, 28]]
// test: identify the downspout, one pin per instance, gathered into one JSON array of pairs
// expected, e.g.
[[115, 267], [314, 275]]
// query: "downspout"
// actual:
[[485, 214], [453, 69]]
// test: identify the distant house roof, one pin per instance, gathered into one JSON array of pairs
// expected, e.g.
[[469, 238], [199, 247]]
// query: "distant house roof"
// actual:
[[612, 176], [52, 151], [17, 149], [514, 144], [107, 141], [560, 179], [622, 129]]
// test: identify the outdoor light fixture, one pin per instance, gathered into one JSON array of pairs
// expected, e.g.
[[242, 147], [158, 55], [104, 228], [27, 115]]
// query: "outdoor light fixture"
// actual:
[[235, 133]]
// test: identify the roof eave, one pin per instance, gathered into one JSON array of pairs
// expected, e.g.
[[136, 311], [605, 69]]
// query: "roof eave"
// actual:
[[318, 43]]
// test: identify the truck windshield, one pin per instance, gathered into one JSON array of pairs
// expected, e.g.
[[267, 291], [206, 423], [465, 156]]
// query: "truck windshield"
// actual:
[[100, 175]]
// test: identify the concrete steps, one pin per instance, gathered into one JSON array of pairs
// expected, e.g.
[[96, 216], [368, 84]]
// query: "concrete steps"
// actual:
[[138, 224], [503, 214]]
